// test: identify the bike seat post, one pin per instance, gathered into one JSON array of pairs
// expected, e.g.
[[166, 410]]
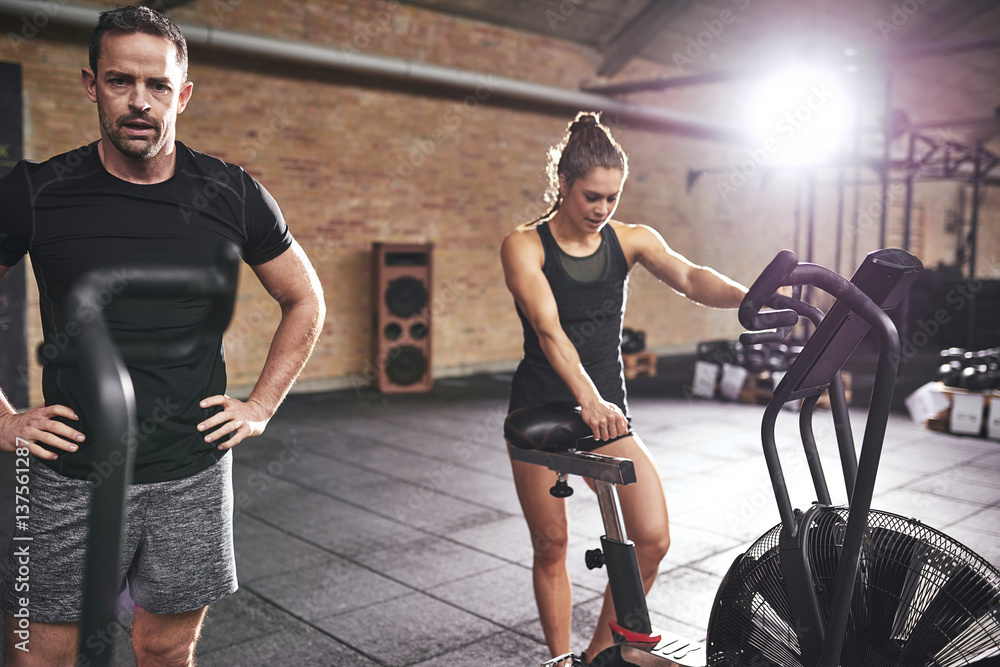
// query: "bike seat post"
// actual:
[[611, 512], [624, 578]]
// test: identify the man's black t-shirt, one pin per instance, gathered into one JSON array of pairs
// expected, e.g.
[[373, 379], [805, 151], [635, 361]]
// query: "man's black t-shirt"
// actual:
[[72, 216]]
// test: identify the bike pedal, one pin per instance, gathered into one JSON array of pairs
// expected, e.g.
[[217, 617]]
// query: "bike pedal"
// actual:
[[558, 660], [673, 650]]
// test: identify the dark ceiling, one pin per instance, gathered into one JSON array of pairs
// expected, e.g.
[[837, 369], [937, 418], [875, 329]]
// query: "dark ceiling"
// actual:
[[731, 32], [950, 48]]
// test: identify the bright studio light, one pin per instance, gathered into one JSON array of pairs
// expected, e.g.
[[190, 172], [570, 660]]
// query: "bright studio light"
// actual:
[[799, 115]]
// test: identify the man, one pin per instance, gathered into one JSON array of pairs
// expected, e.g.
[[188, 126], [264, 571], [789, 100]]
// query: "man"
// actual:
[[138, 196]]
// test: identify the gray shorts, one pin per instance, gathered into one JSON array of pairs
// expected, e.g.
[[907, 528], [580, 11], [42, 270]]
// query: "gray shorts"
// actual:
[[177, 548]]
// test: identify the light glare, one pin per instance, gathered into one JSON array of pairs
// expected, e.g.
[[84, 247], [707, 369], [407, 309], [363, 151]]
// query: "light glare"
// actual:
[[799, 115]]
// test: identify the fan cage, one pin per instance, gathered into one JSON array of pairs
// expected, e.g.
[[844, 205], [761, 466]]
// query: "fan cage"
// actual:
[[920, 598]]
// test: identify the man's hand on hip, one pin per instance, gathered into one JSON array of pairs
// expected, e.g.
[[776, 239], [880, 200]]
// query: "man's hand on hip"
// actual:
[[241, 419], [38, 426]]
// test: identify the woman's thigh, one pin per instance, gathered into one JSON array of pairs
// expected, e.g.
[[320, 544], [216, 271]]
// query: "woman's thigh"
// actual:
[[546, 515], [643, 504]]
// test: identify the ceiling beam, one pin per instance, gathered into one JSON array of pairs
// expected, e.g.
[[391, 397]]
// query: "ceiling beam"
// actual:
[[640, 31], [940, 25], [943, 48], [718, 76]]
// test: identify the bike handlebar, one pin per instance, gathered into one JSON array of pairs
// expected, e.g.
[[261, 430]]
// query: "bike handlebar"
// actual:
[[762, 293], [109, 394], [87, 299]]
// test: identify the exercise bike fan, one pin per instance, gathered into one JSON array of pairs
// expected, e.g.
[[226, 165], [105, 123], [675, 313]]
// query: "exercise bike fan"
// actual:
[[921, 599], [848, 586]]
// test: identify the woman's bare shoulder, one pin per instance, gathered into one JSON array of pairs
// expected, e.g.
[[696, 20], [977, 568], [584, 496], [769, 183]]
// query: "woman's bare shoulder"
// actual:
[[522, 247], [628, 228], [629, 233], [524, 235]]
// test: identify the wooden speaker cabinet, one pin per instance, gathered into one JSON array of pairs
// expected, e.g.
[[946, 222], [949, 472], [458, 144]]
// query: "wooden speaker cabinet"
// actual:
[[402, 316]]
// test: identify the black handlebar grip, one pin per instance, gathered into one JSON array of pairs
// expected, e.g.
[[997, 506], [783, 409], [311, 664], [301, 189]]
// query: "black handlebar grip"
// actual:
[[757, 337], [760, 293], [773, 319]]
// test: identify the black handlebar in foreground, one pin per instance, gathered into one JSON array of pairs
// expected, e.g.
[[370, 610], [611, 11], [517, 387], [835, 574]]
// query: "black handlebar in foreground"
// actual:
[[880, 283], [108, 389], [763, 292]]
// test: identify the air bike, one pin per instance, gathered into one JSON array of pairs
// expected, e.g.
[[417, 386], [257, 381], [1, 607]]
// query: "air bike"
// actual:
[[828, 586]]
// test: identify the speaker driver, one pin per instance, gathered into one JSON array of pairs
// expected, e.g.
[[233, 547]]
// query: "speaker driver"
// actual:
[[406, 365], [405, 297], [392, 331]]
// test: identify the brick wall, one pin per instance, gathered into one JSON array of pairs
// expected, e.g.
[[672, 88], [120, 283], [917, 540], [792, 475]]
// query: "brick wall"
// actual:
[[354, 161]]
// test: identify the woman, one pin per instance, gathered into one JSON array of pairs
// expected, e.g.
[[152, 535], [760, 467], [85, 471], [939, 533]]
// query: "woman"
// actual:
[[568, 273]]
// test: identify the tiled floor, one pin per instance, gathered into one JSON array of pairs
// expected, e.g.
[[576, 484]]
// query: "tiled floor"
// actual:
[[384, 530]]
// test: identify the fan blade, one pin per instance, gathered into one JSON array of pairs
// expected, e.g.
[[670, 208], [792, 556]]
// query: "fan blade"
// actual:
[[751, 622], [879, 599], [963, 597]]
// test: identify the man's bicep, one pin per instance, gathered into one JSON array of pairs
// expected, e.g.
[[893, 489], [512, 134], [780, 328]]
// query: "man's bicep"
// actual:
[[290, 277]]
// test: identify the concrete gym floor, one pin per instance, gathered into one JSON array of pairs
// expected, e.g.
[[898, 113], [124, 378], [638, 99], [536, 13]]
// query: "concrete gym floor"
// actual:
[[384, 529]]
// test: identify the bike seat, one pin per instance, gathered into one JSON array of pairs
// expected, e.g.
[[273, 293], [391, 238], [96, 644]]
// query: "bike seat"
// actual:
[[545, 428]]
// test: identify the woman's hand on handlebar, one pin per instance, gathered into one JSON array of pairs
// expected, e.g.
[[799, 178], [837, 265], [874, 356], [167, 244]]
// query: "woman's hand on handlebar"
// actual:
[[604, 419]]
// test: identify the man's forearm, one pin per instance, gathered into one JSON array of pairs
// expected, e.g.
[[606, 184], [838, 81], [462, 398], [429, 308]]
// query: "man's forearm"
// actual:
[[6, 408], [291, 347]]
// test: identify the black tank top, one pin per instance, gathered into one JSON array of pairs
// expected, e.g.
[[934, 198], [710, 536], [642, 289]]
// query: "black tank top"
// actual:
[[591, 314]]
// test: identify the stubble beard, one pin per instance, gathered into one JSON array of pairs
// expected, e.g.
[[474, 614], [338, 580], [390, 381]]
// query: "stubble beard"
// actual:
[[137, 149]]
